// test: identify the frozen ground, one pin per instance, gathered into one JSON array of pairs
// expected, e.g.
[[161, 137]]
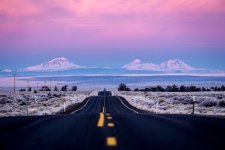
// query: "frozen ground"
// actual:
[[41, 103], [207, 103]]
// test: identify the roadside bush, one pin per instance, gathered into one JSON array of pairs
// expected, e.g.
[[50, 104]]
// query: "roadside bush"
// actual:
[[74, 88], [136, 90], [64, 88], [187, 100], [29, 89], [182, 88], [123, 87], [56, 89], [22, 103], [209, 103], [221, 103], [45, 88], [4, 100]]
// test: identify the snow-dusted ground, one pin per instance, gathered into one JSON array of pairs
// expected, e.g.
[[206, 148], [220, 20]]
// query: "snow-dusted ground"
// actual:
[[207, 103], [41, 103]]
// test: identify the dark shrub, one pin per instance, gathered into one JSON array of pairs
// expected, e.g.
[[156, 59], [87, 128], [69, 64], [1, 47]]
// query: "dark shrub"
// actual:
[[159, 89], [57, 95], [56, 88], [4, 100], [123, 87], [74, 88], [223, 88], [29, 89], [175, 88], [168, 89], [183, 89], [23, 103], [35, 91], [203, 89], [209, 103], [221, 103], [136, 90], [64, 88], [45, 88]]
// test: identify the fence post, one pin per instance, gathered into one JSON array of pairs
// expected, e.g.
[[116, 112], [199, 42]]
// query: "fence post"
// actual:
[[27, 109], [157, 107], [193, 108], [64, 107]]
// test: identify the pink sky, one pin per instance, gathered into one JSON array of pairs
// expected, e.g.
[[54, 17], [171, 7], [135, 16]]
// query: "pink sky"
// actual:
[[78, 25]]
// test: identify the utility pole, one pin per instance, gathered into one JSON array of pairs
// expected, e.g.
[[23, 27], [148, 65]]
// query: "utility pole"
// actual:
[[14, 79], [27, 109], [28, 84], [51, 85], [37, 86]]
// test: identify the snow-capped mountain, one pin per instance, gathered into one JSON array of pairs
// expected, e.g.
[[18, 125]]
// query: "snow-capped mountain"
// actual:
[[62, 66], [172, 65], [176, 65], [138, 65], [57, 64]]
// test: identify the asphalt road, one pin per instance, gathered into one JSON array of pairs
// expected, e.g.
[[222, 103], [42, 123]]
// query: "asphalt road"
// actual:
[[110, 123]]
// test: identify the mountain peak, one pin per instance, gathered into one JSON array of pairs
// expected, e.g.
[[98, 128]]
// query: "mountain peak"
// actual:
[[171, 65], [137, 61], [62, 59], [56, 64], [176, 65]]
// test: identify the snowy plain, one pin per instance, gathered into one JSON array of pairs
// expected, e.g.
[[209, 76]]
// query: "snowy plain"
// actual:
[[41, 103], [49, 103], [206, 103]]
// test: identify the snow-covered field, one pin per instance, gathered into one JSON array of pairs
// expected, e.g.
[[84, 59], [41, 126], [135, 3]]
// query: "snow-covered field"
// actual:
[[207, 103], [48, 103], [41, 103]]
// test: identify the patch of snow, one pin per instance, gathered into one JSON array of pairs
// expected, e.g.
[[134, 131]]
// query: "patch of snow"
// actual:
[[207, 103], [41, 103]]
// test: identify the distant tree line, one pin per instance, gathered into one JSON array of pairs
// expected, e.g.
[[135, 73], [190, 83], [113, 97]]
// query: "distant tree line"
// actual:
[[46, 88], [173, 88]]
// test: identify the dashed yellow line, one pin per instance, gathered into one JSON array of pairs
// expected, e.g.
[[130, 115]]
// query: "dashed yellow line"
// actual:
[[101, 120], [111, 141], [110, 124]]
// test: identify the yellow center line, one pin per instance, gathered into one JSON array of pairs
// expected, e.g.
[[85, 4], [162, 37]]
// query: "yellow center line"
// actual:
[[111, 141], [110, 124], [101, 120]]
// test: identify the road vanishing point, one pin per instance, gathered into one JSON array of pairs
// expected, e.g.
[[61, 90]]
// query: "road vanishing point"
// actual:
[[108, 123]]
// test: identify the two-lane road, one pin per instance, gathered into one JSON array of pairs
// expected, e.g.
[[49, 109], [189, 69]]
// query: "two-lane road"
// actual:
[[109, 123]]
